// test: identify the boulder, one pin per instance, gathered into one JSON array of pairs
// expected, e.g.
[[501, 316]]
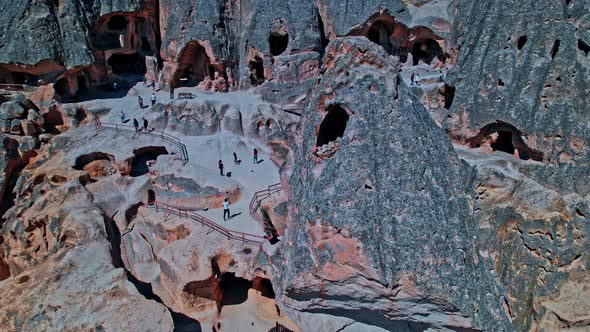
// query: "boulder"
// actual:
[[12, 110], [15, 127], [28, 128]]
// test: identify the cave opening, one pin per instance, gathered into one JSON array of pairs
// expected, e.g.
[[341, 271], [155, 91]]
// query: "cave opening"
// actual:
[[264, 286], [380, 33], [503, 142], [278, 42], [504, 137], [139, 163], [52, 119], [582, 46], [121, 63], [256, 67], [234, 289], [193, 66], [427, 50], [521, 41], [151, 197], [131, 212], [333, 125], [88, 158], [449, 94], [117, 22], [61, 87]]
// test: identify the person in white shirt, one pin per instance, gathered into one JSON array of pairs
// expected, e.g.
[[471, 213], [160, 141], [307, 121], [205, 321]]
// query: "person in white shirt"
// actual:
[[225, 208]]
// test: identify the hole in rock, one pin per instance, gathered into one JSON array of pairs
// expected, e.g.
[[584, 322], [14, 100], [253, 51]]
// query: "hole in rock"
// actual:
[[521, 41], [86, 159], [278, 42], [127, 63], [582, 46], [145, 44], [503, 142], [380, 33], [61, 87], [142, 156], [193, 66], [449, 95], [234, 289], [264, 286], [131, 212], [426, 51], [52, 119], [333, 125], [256, 67], [80, 114], [555, 48], [117, 22], [151, 197], [507, 139]]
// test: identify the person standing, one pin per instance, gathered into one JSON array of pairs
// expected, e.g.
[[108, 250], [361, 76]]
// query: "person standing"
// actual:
[[412, 79], [221, 168], [122, 116], [255, 156], [235, 158], [145, 125], [171, 92], [140, 101], [136, 124], [153, 99], [226, 209]]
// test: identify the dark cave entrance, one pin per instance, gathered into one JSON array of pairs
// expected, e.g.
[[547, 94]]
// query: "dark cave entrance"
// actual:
[[193, 66], [86, 159], [52, 119], [449, 94], [380, 33], [256, 67], [80, 114], [503, 142], [264, 286], [151, 197], [127, 64], [269, 228], [427, 50], [234, 289], [61, 87], [508, 140], [333, 125], [117, 23], [278, 42], [139, 165]]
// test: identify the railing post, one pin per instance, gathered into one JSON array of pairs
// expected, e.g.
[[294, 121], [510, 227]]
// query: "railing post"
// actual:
[[156, 202]]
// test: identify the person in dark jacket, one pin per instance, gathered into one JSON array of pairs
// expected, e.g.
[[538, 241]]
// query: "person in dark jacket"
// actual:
[[221, 168]]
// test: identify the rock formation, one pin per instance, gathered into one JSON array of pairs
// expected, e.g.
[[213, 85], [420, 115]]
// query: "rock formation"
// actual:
[[433, 161]]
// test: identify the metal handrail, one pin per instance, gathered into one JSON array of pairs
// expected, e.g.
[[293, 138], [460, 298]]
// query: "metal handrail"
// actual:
[[261, 195], [162, 134], [213, 226]]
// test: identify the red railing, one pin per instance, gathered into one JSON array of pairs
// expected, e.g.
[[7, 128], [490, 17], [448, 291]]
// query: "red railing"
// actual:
[[213, 226], [182, 153], [261, 195]]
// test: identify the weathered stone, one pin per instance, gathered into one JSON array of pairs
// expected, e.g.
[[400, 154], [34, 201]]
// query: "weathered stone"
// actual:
[[28, 128], [11, 110]]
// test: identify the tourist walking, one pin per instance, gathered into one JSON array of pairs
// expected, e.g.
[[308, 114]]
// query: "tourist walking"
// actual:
[[412, 79], [122, 116], [226, 209], [235, 158], [145, 125], [255, 156], [136, 124], [140, 101], [153, 99], [221, 168]]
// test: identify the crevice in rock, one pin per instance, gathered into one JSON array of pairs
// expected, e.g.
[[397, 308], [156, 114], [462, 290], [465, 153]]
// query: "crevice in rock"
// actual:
[[15, 164], [449, 95], [582, 46], [555, 48], [521, 41], [256, 66]]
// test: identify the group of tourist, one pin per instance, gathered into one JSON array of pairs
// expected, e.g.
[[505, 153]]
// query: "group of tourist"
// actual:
[[221, 168]]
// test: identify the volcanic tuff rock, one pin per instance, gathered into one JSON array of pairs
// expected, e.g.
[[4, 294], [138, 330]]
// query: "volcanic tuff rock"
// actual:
[[396, 231]]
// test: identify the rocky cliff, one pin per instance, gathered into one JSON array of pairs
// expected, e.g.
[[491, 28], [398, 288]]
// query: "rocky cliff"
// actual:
[[435, 176]]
